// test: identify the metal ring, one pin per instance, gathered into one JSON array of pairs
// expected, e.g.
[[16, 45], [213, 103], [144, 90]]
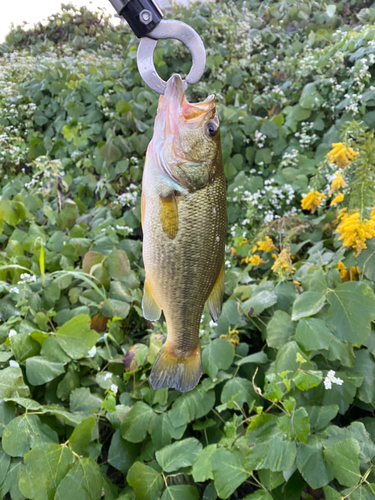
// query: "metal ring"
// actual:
[[179, 31]]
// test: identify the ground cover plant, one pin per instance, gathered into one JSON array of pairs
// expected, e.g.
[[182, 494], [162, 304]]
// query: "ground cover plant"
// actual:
[[285, 409]]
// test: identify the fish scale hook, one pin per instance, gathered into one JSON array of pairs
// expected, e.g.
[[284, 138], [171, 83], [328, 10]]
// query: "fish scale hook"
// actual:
[[146, 20]]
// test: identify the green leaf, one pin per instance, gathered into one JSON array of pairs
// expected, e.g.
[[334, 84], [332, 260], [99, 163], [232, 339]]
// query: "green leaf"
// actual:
[[83, 482], [342, 459], [218, 355], [229, 472], [306, 380], [4, 465], [268, 446], [366, 260], [312, 334], [147, 483], [118, 265], [320, 416], [11, 480], [179, 454], [11, 380], [257, 304], [191, 405], [311, 464], [259, 495], [258, 358], [122, 454], [286, 358], [351, 312], [162, 430], [331, 494], [308, 304], [364, 365], [239, 390], [342, 395], [280, 329], [135, 425], [46, 466], [26, 432], [7, 413], [295, 426], [202, 466], [180, 492], [83, 401], [24, 346], [40, 370], [110, 153], [81, 436], [122, 106], [76, 338]]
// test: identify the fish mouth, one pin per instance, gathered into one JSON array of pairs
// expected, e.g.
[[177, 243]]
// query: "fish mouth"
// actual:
[[176, 107]]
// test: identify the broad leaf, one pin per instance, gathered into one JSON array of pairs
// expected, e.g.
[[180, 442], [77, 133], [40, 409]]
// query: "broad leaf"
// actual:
[[46, 466], [25, 432], [135, 425], [146, 482], [179, 454], [81, 436], [308, 304], [351, 312], [180, 492], [342, 458], [75, 336], [191, 405], [311, 464], [202, 466], [229, 472], [280, 329], [122, 454], [83, 482], [312, 334], [40, 370], [218, 355]]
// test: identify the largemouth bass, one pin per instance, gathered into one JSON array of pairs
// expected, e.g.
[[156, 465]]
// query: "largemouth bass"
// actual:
[[184, 221]]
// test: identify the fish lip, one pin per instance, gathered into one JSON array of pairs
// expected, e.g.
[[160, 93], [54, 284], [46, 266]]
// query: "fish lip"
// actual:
[[174, 91]]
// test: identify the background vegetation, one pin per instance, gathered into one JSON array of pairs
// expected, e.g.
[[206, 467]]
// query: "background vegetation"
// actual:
[[285, 409]]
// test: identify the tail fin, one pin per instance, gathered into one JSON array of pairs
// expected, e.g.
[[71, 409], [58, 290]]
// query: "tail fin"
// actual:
[[179, 372]]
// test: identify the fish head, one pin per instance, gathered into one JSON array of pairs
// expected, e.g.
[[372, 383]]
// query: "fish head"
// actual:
[[186, 138]]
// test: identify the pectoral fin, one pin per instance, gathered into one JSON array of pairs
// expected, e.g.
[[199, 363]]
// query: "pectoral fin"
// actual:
[[169, 215], [215, 300], [151, 310]]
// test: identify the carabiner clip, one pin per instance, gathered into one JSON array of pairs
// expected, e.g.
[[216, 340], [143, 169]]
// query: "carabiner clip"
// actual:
[[146, 20], [179, 31]]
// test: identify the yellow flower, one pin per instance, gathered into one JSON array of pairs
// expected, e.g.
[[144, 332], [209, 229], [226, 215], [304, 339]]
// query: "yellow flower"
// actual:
[[339, 197], [255, 260], [337, 182], [312, 201], [348, 275], [283, 264], [266, 245], [354, 230], [341, 155]]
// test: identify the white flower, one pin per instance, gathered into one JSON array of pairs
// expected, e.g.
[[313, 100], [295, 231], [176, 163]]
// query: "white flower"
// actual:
[[91, 352], [12, 333], [212, 323], [14, 289], [114, 388], [107, 376], [13, 363], [331, 379]]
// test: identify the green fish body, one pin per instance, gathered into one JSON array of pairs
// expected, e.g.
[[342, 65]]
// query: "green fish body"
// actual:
[[184, 222]]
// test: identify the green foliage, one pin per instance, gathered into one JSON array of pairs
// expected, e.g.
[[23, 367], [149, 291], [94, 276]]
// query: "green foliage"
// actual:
[[286, 402]]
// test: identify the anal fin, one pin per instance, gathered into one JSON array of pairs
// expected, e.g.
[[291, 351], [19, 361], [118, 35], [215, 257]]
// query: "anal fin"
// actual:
[[151, 309], [169, 214], [215, 300]]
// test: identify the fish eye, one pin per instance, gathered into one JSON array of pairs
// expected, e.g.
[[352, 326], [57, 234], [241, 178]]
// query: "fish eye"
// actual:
[[211, 129]]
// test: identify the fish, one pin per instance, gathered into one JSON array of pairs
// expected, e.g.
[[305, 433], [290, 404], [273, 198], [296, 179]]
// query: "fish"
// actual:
[[184, 223]]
